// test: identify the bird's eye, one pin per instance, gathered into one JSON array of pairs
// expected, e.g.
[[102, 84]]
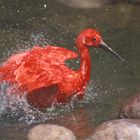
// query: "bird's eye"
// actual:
[[94, 39]]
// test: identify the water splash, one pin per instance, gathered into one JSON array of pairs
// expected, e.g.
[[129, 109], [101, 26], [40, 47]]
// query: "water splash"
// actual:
[[40, 38], [15, 108]]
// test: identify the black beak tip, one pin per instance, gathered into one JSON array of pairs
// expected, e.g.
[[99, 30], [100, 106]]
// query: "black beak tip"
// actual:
[[104, 46]]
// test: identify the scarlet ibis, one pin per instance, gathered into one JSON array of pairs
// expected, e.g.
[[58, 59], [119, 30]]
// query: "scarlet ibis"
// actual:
[[42, 73]]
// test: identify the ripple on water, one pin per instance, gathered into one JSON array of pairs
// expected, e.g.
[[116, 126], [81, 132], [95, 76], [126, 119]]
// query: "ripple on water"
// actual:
[[15, 108]]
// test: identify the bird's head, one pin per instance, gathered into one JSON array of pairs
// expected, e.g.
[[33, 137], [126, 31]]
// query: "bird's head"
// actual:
[[92, 38]]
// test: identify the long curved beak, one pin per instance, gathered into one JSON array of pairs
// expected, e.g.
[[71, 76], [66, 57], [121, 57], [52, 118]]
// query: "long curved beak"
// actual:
[[104, 46]]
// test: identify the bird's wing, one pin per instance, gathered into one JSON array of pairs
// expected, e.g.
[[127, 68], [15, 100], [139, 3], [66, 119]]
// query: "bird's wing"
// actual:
[[42, 67], [16, 58], [37, 74], [9, 66], [55, 54]]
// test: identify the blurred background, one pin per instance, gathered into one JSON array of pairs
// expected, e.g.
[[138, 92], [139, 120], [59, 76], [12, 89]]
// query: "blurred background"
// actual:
[[58, 22]]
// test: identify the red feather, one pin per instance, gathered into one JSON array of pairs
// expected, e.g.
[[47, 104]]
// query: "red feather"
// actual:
[[43, 67]]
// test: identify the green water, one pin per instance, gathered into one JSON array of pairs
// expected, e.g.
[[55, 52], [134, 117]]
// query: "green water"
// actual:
[[23, 24]]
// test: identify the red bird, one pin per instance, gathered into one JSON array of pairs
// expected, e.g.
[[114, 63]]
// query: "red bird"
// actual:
[[42, 73]]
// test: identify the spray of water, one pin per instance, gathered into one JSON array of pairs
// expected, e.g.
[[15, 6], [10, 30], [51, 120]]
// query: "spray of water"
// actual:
[[13, 107]]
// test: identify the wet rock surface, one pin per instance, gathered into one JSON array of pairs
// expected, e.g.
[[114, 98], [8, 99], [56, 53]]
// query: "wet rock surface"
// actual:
[[84, 3], [135, 1], [131, 108], [123, 129], [50, 132], [93, 3]]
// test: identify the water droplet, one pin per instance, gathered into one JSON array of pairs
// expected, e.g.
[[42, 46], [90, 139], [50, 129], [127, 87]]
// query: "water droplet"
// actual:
[[45, 6]]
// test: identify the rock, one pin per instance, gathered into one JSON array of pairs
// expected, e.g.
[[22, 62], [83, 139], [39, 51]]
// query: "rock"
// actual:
[[50, 132], [84, 3], [93, 3], [124, 129], [134, 1], [131, 108]]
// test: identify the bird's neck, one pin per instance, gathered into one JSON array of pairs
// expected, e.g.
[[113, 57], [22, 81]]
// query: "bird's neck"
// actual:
[[85, 65]]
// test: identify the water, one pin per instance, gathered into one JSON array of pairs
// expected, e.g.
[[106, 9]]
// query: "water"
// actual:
[[24, 24]]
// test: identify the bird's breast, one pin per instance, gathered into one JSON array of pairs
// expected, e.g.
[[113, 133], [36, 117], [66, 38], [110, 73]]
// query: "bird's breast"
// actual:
[[72, 85]]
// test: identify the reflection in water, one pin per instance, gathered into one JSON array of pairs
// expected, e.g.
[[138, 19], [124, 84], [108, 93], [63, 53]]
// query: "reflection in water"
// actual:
[[24, 24], [79, 122]]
